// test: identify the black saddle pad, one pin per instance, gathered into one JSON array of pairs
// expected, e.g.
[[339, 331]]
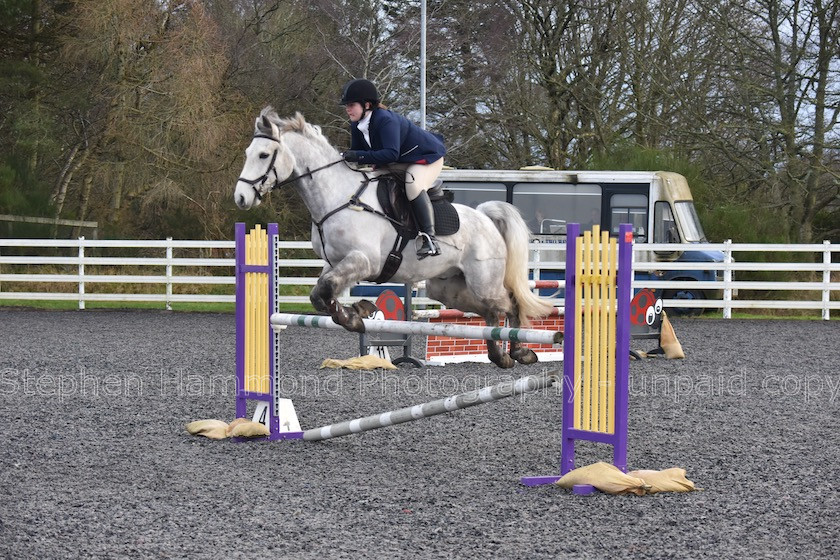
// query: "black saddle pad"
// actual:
[[391, 194]]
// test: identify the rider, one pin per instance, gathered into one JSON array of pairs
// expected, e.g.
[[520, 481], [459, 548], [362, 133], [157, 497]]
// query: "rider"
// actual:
[[382, 137]]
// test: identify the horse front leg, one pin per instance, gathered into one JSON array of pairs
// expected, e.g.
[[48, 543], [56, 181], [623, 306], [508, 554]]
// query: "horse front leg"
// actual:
[[335, 280]]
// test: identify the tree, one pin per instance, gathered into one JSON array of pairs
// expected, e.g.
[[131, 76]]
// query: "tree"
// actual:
[[772, 125]]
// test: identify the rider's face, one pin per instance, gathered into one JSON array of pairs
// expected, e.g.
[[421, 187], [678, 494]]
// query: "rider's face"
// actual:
[[355, 111]]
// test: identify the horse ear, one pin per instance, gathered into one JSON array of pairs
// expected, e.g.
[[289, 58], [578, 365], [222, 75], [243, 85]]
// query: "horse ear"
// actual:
[[264, 126]]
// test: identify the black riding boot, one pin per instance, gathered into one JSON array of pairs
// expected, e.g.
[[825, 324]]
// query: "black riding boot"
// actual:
[[425, 216]]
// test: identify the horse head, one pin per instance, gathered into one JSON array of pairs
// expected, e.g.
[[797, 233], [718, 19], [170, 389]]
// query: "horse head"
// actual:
[[267, 162]]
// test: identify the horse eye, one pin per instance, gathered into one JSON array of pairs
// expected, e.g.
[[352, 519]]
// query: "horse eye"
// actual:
[[263, 156]]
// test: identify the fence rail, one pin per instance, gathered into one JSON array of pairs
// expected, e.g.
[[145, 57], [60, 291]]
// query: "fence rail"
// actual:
[[181, 276]]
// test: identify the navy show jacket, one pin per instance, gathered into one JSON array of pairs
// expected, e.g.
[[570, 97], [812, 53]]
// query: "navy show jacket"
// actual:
[[394, 139]]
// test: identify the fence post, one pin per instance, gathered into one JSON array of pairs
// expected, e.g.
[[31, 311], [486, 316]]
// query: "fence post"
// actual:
[[537, 258], [81, 272], [727, 280], [169, 274], [826, 293]]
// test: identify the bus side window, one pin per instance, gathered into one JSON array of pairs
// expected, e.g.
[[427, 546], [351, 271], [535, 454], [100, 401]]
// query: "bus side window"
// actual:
[[629, 209], [548, 207], [474, 193], [664, 225]]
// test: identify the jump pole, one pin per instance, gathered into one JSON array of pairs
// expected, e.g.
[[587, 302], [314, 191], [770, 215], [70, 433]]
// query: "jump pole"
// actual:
[[493, 393], [280, 320]]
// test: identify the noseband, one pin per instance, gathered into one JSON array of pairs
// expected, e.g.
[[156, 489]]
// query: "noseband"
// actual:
[[264, 177]]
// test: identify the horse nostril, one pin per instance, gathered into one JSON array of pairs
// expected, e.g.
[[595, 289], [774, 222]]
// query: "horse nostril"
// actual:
[[240, 201]]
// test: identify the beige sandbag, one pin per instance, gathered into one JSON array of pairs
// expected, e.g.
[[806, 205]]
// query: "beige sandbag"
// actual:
[[606, 478], [235, 423], [249, 429], [360, 362], [668, 480], [213, 429], [668, 340]]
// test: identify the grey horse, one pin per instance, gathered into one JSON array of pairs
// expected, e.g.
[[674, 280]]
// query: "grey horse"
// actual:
[[482, 268]]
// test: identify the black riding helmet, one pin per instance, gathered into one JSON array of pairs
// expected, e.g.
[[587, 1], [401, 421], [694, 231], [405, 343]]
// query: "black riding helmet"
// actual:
[[359, 91]]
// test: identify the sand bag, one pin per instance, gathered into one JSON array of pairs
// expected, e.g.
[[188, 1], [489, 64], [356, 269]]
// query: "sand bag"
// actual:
[[360, 362], [669, 346], [606, 478], [213, 429], [668, 480], [248, 429], [668, 340]]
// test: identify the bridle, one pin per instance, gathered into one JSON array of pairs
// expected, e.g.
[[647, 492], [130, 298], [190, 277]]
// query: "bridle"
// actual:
[[277, 183], [353, 202]]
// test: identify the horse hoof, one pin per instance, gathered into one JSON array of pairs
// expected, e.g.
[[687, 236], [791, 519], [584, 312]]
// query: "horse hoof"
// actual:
[[355, 324], [505, 362], [365, 308], [350, 322], [346, 317], [524, 356]]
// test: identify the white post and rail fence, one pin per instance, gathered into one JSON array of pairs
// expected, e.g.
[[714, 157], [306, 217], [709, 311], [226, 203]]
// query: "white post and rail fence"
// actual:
[[186, 271]]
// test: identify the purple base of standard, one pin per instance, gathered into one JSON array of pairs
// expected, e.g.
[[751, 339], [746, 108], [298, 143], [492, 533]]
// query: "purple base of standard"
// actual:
[[583, 489], [538, 480], [286, 435], [579, 489], [272, 437]]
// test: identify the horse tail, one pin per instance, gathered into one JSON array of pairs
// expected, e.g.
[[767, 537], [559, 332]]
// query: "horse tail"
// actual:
[[514, 230]]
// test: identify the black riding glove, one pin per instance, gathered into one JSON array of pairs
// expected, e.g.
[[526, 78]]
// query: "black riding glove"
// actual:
[[351, 155]]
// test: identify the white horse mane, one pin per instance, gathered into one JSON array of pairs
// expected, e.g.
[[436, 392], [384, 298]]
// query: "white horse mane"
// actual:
[[296, 124]]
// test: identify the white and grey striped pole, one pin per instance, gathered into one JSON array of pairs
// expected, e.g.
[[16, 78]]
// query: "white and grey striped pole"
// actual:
[[456, 402], [425, 329]]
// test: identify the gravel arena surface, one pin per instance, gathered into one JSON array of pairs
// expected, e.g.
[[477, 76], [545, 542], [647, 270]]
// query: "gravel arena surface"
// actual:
[[95, 461]]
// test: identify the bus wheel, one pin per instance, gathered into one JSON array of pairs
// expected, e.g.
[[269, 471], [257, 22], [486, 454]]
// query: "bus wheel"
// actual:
[[684, 294]]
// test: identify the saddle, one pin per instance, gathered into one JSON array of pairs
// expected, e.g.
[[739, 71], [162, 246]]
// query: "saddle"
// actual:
[[390, 192]]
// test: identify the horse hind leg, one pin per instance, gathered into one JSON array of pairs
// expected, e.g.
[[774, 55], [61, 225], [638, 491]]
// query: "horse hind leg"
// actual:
[[453, 292], [517, 350], [494, 349]]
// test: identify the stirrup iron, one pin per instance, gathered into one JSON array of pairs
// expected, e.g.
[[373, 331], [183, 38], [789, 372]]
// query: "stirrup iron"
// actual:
[[426, 246]]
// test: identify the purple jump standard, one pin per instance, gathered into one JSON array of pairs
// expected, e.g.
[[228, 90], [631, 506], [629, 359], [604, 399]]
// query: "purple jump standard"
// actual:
[[617, 437]]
